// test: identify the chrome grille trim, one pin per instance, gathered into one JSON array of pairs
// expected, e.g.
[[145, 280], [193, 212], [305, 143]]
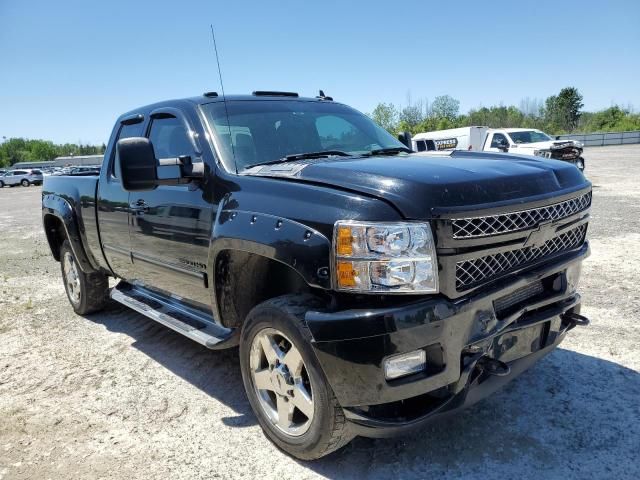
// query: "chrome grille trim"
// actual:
[[474, 227], [476, 270]]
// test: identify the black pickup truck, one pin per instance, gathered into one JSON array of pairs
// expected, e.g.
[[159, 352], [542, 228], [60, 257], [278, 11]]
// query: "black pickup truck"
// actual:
[[370, 289]]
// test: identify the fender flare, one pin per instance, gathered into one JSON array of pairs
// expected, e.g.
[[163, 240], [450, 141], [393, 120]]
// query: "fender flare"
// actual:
[[300, 247], [56, 206]]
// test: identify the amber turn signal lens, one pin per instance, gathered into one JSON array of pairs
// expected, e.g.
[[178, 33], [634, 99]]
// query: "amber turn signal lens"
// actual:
[[346, 274], [345, 241]]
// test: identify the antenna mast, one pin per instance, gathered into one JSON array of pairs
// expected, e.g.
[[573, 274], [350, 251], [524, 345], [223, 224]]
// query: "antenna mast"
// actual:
[[224, 96]]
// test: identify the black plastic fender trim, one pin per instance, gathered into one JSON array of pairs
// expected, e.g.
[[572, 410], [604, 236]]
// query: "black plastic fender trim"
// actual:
[[54, 205]]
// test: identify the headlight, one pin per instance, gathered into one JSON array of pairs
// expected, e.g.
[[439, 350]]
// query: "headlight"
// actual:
[[385, 257]]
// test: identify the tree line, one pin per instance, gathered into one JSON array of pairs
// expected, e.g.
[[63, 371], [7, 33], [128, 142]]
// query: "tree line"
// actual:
[[558, 114], [16, 150]]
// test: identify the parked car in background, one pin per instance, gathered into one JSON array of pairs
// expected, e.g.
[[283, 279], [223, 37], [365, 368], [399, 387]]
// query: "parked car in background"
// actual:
[[523, 141], [85, 170], [24, 177]]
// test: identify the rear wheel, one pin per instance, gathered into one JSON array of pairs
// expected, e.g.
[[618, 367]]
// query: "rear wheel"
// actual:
[[285, 384], [24, 183], [1, 184], [87, 292]]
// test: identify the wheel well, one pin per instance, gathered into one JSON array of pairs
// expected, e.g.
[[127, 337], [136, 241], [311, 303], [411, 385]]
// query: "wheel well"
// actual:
[[243, 280], [56, 234]]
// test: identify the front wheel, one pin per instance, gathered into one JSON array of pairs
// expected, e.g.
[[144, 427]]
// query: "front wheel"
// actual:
[[1, 184], [24, 183], [87, 292], [285, 384]]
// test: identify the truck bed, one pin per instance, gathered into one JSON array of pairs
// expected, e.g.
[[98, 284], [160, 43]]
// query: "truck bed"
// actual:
[[80, 193]]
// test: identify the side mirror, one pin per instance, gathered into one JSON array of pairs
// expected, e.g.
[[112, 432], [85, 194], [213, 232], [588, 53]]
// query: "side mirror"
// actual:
[[137, 164], [504, 146], [140, 170], [405, 138]]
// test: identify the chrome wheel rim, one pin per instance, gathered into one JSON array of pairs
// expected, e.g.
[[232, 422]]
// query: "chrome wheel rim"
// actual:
[[281, 382], [71, 277]]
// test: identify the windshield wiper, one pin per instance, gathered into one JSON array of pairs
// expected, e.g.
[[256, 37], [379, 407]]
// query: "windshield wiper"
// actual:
[[303, 156], [390, 151]]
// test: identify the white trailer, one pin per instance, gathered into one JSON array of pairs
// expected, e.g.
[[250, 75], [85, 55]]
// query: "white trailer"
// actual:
[[465, 138]]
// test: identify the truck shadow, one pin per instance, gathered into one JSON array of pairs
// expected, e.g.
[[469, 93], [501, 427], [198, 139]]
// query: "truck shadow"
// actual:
[[571, 415]]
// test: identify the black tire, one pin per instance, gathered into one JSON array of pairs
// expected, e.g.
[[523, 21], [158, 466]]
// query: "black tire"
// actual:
[[93, 287], [25, 183], [328, 430], [1, 184]]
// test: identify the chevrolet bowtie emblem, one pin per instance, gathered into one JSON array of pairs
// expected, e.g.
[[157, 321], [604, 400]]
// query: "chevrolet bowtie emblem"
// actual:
[[537, 238]]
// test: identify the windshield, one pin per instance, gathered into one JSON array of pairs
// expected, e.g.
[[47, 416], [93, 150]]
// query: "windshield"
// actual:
[[263, 131], [529, 136]]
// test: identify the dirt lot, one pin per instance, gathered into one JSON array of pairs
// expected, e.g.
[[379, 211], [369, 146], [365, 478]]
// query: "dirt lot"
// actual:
[[114, 395]]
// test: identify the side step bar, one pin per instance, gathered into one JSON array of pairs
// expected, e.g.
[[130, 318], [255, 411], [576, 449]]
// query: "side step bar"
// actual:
[[170, 312]]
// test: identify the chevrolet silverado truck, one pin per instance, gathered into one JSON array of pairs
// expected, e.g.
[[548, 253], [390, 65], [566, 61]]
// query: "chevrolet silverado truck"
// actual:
[[521, 141], [370, 289]]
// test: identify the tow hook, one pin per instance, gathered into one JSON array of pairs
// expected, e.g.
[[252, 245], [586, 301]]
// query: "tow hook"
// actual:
[[493, 366], [576, 320]]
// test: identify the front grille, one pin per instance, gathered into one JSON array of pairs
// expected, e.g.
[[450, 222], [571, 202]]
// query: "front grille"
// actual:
[[474, 271], [515, 221]]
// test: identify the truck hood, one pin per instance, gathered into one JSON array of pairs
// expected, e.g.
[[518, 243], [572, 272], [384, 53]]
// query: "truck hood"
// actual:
[[548, 145], [421, 186]]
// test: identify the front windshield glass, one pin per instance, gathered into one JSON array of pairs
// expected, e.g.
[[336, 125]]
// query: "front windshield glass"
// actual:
[[529, 136], [263, 131]]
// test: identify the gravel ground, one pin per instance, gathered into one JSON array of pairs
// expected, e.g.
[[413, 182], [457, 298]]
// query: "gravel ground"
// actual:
[[114, 395]]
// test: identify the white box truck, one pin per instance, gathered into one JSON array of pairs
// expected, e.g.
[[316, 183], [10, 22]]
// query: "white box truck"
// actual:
[[523, 141]]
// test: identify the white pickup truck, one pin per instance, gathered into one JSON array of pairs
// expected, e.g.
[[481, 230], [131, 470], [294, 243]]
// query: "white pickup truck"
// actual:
[[523, 141]]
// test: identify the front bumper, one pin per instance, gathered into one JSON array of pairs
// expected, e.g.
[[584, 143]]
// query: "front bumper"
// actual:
[[458, 337]]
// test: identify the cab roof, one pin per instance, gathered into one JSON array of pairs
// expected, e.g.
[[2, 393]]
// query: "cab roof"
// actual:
[[212, 97]]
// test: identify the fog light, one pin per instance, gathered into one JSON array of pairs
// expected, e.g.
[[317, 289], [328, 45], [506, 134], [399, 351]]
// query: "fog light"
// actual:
[[405, 364]]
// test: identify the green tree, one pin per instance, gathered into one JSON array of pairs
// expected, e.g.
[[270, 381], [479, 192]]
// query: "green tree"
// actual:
[[42, 150], [410, 117], [445, 106], [385, 115], [562, 112], [612, 119]]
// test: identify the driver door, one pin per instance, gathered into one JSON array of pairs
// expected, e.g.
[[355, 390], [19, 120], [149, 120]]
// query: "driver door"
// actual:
[[170, 226]]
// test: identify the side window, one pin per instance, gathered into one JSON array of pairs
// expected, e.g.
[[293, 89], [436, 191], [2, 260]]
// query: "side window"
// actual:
[[498, 139], [126, 131], [421, 145], [169, 138]]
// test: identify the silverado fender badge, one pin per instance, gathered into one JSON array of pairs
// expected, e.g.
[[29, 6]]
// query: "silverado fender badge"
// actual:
[[541, 235]]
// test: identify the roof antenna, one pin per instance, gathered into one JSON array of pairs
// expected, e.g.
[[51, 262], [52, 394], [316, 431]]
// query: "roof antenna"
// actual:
[[322, 96], [224, 97]]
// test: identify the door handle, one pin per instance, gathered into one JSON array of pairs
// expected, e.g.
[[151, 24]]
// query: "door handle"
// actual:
[[139, 207]]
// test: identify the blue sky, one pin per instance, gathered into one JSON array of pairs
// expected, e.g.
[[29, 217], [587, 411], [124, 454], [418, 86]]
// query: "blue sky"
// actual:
[[69, 68]]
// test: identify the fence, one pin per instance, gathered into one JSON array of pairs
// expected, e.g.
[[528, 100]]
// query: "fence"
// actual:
[[600, 139]]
